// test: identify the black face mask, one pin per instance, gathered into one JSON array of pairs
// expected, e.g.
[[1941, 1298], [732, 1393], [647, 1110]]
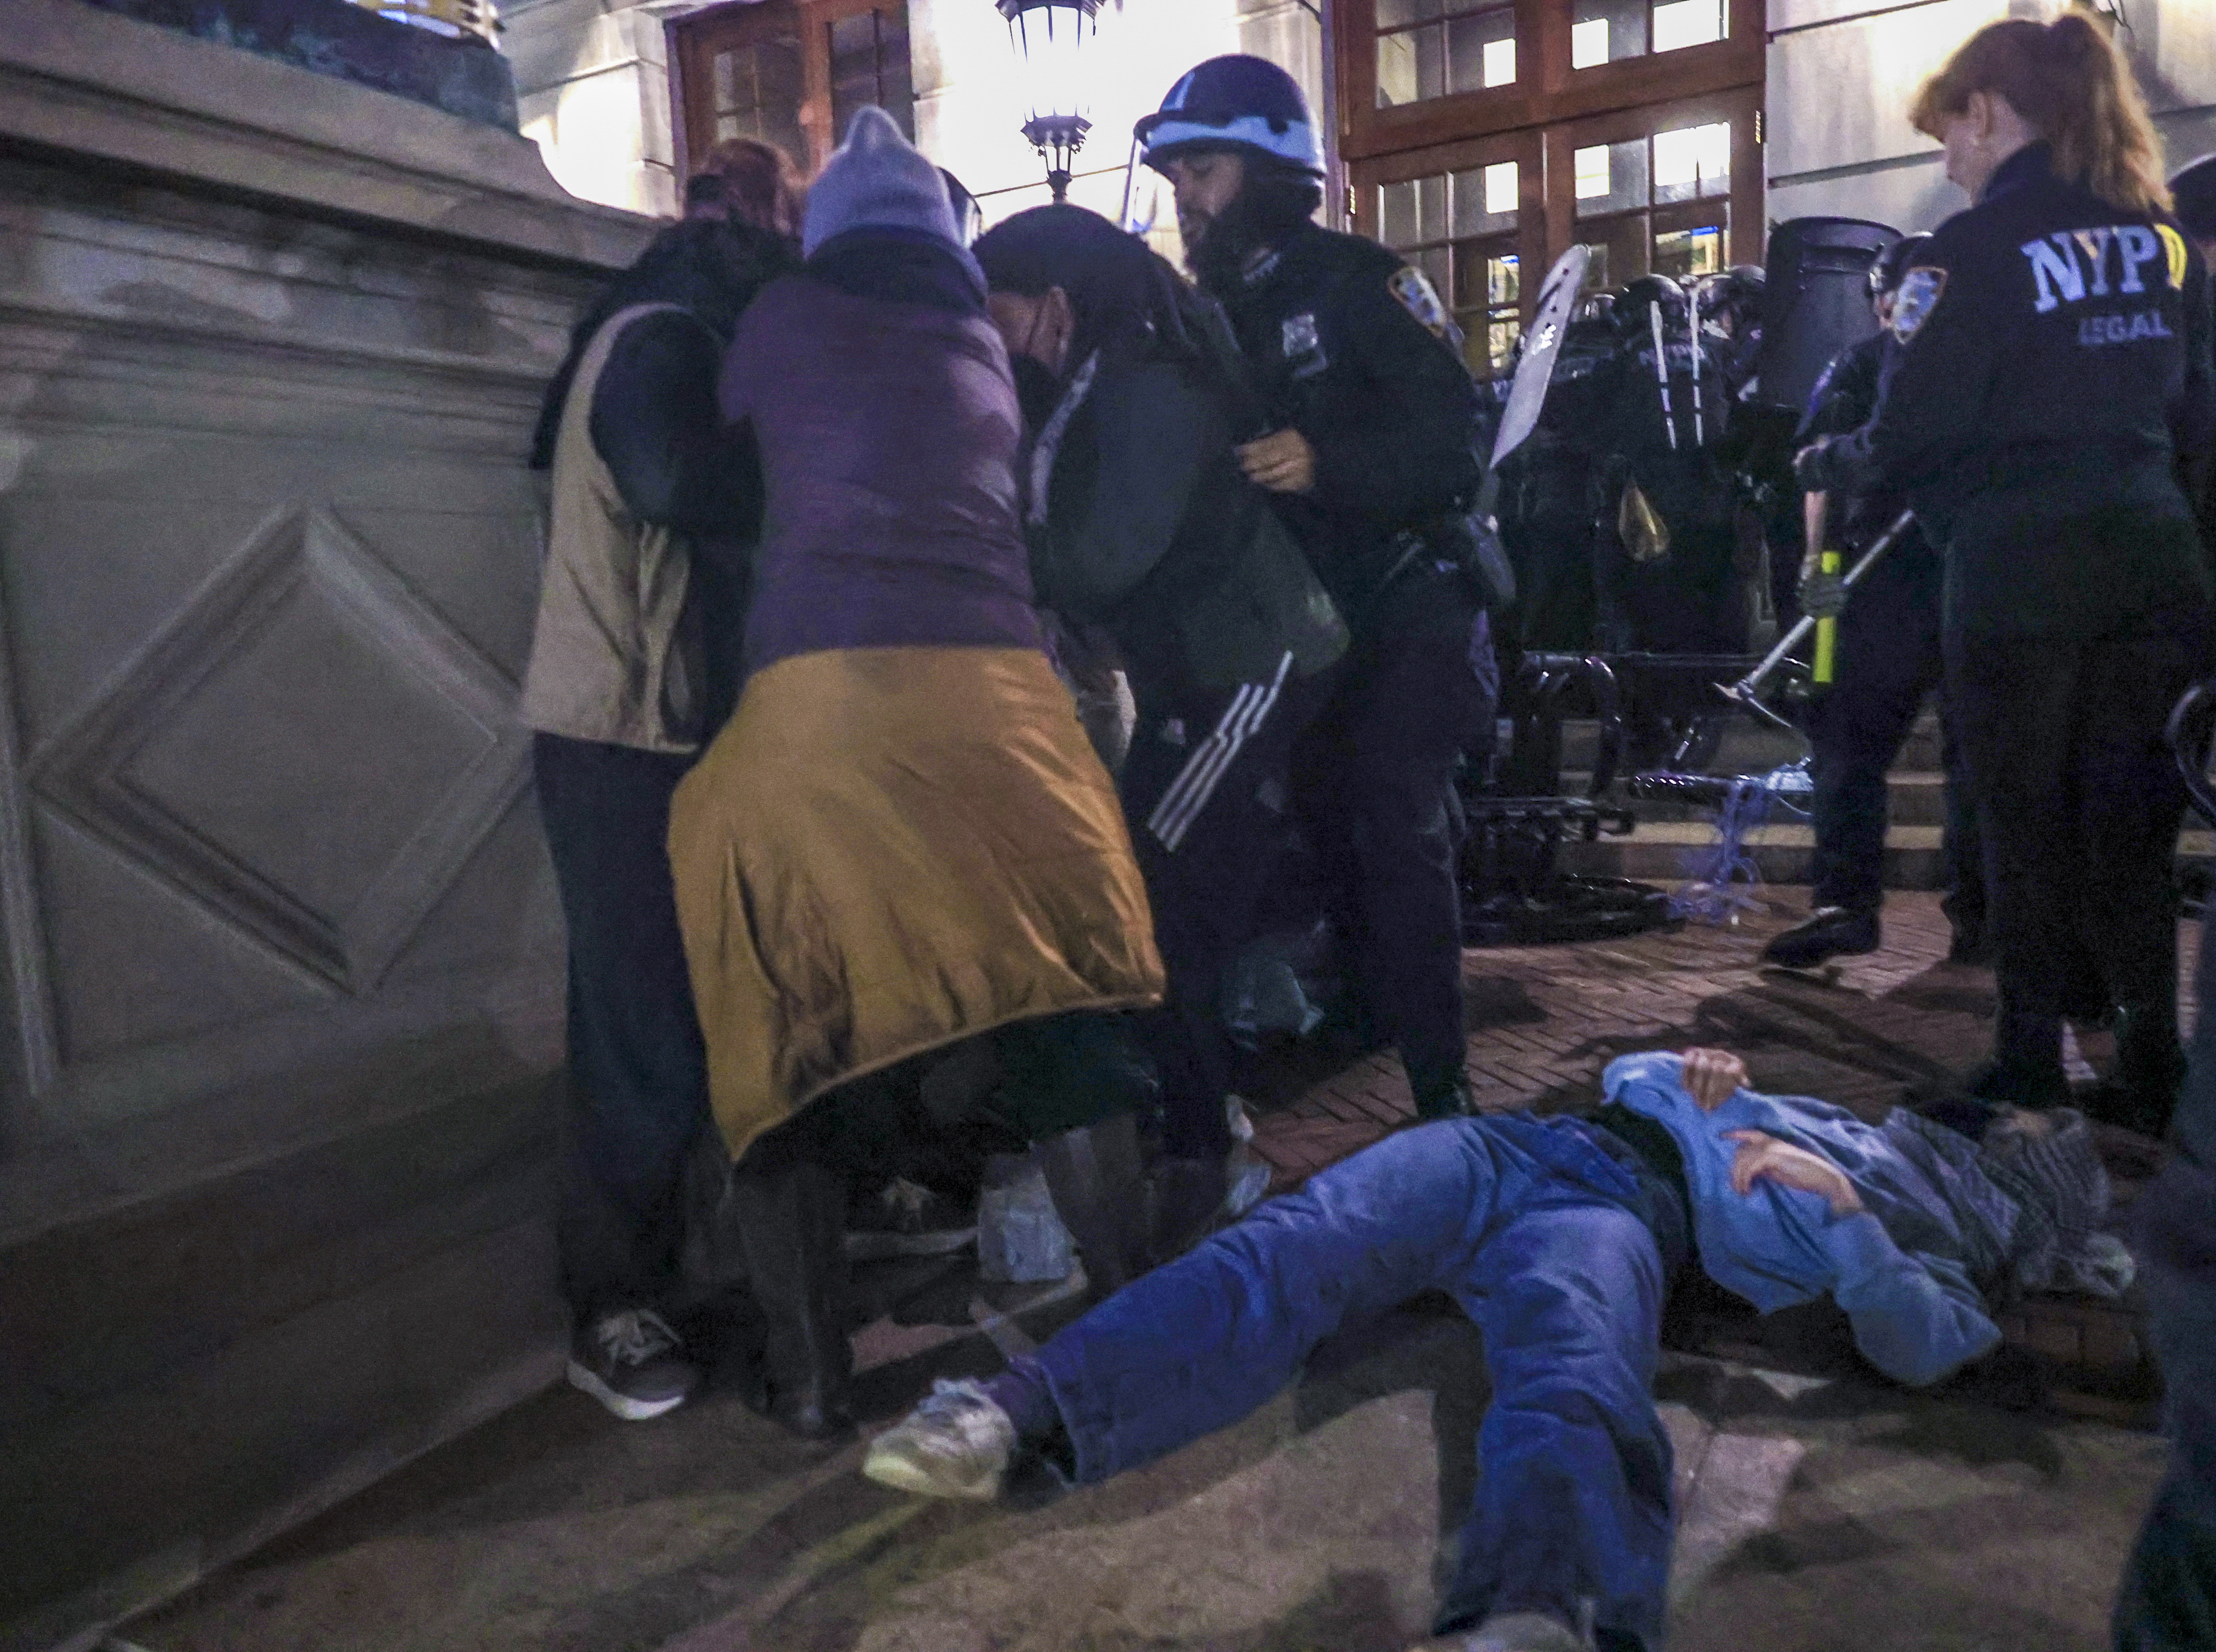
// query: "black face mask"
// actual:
[[1038, 390]]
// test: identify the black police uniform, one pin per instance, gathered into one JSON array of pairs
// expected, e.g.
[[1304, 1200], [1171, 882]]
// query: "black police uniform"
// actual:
[[1889, 658], [1351, 347], [2057, 365], [1686, 600]]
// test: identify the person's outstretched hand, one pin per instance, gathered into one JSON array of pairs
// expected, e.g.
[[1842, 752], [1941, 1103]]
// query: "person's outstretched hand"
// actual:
[[1763, 1157], [1714, 1076]]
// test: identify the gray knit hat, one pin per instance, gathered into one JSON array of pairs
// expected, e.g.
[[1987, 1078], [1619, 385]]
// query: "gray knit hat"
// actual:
[[876, 180]]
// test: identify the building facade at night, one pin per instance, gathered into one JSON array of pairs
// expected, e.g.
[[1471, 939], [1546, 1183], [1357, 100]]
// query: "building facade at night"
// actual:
[[281, 963], [1478, 136]]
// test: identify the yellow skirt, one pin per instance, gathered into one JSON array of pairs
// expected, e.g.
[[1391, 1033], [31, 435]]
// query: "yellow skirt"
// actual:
[[888, 850]]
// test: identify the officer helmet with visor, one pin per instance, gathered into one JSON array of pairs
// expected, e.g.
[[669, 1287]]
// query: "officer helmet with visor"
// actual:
[[1240, 103], [1887, 269]]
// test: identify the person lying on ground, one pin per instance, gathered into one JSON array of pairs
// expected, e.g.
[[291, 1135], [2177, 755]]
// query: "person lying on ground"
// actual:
[[1559, 1237]]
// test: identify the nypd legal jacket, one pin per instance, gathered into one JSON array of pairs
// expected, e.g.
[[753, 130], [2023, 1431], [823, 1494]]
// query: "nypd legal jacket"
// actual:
[[1354, 349], [2054, 364]]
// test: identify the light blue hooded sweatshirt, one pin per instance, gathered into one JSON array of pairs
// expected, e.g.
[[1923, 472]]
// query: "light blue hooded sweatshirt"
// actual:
[[1897, 1267]]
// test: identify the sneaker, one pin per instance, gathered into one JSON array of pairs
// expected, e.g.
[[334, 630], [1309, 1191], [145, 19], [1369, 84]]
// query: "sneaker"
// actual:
[[1513, 1631], [956, 1443], [632, 1363], [1831, 932], [907, 1220]]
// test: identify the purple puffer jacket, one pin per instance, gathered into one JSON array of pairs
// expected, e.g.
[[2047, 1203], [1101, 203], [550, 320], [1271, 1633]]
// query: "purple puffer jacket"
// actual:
[[889, 434]]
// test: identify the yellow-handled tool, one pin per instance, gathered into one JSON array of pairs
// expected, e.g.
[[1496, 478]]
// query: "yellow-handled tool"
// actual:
[[1827, 630]]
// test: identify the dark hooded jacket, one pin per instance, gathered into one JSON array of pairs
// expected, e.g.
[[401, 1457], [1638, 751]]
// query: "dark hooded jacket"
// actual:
[[1139, 518]]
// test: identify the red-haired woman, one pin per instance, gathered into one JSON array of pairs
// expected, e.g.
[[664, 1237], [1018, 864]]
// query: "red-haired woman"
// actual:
[[2055, 379]]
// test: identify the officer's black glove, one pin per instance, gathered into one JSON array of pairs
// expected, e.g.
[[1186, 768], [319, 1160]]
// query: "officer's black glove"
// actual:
[[1822, 596]]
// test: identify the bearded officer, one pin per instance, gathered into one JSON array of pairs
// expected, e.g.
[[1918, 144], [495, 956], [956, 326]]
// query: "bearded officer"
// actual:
[[1371, 457]]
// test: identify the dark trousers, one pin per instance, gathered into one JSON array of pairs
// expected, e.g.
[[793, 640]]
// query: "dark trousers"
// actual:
[[1531, 1228], [638, 1077], [1373, 779], [1889, 658], [2079, 804], [2167, 1602], [1203, 787]]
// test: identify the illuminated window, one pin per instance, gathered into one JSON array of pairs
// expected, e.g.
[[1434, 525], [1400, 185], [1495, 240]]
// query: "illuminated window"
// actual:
[[1610, 177], [1681, 23], [1591, 166], [748, 71], [1435, 48], [1501, 187], [1692, 162], [1603, 31]]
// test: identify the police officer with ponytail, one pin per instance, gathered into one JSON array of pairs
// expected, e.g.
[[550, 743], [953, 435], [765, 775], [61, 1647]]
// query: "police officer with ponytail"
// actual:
[[2053, 377], [1369, 455]]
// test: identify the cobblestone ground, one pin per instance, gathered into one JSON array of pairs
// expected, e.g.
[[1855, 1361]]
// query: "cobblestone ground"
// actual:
[[1820, 1509]]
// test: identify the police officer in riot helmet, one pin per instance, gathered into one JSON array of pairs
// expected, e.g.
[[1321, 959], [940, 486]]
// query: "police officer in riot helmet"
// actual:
[[2054, 373], [1370, 459], [1665, 551], [1888, 661]]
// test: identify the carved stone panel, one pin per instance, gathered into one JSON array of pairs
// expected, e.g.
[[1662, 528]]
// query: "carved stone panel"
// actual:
[[308, 750]]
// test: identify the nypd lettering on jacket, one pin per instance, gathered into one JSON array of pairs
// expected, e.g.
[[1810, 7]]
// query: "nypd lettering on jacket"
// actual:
[[2108, 263]]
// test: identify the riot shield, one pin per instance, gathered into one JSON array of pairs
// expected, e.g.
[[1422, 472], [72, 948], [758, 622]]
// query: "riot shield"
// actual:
[[1815, 302]]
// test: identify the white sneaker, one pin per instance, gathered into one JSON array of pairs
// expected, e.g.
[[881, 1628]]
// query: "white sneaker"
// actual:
[[956, 1443], [1514, 1631]]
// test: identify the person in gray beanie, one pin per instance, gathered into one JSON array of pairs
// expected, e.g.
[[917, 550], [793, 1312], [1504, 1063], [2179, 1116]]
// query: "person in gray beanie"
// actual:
[[901, 837]]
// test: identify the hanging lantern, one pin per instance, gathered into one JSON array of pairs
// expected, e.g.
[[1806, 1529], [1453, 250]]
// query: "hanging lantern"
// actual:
[[1053, 39]]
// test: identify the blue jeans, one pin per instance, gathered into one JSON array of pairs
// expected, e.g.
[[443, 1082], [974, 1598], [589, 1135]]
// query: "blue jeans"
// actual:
[[1532, 1229]]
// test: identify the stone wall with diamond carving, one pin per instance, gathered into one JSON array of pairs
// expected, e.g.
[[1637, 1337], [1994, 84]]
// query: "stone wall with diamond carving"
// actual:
[[281, 993]]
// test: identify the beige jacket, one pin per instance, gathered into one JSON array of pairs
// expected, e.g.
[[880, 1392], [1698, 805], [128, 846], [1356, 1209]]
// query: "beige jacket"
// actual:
[[607, 659]]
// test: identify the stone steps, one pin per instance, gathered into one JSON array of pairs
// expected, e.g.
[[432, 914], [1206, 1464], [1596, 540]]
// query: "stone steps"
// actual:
[[1914, 800], [1658, 850], [1669, 832]]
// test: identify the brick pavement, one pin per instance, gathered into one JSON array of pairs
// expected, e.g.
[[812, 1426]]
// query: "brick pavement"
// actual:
[[1869, 1035], [1545, 1020]]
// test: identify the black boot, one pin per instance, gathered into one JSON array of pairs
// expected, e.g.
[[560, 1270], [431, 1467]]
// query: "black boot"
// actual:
[[2141, 1094], [1448, 1100], [1100, 1192], [1831, 932], [791, 1220], [1189, 1204], [2027, 1065]]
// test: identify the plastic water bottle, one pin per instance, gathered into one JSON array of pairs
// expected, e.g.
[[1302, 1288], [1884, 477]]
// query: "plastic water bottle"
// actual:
[[1020, 1240]]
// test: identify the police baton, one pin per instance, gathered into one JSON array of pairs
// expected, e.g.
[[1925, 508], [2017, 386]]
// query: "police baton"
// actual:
[[1747, 691]]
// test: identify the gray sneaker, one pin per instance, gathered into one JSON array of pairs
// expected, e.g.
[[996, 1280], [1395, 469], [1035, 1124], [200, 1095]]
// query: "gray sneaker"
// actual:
[[632, 1363], [956, 1443]]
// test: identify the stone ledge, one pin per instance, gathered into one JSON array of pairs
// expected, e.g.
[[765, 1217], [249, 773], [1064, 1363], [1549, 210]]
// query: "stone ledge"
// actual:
[[93, 84]]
